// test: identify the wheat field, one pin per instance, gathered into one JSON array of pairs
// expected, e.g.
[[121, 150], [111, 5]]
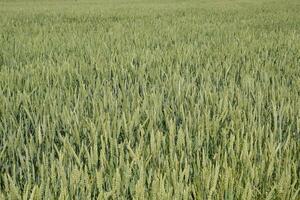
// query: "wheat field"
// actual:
[[136, 99]]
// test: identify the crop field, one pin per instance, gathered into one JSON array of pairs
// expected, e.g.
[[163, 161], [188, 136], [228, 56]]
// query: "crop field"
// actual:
[[137, 99]]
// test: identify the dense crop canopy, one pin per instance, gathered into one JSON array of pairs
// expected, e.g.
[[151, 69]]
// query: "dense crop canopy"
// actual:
[[150, 100]]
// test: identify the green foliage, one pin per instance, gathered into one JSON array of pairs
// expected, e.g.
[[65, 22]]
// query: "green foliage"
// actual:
[[150, 100]]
